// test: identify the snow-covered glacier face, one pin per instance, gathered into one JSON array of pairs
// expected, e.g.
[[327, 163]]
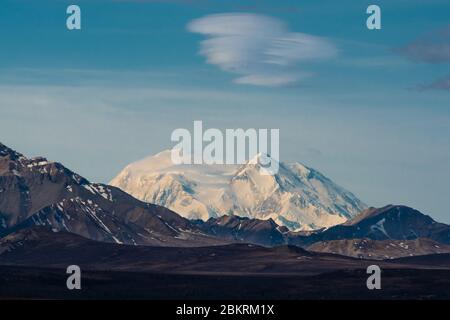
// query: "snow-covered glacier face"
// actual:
[[297, 197]]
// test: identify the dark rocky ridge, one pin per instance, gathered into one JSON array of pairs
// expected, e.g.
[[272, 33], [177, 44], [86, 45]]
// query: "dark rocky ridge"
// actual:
[[392, 222], [239, 229], [36, 192], [380, 249], [375, 228]]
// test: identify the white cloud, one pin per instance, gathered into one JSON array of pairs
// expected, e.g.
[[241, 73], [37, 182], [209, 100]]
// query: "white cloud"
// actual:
[[260, 49]]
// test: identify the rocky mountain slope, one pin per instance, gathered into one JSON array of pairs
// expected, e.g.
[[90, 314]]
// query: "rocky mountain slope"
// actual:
[[392, 222], [380, 249], [37, 192], [238, 229], [384, 233]]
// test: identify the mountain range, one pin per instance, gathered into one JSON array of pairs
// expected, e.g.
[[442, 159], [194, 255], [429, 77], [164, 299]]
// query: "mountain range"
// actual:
[[35, 192], [297, 196], [51, 217]]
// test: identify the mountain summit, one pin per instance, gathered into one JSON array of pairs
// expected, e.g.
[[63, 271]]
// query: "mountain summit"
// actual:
[[297, 197]]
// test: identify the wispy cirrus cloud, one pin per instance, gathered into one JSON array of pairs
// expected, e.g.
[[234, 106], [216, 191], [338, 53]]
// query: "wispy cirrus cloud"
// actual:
[[439, 84], [433, 48], [260, 49]]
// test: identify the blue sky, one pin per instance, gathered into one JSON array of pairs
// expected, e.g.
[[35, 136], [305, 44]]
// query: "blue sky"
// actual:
[[370, 109]]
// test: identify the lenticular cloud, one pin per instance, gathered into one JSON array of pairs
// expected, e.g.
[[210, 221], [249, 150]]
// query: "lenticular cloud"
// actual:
[[260, 49]]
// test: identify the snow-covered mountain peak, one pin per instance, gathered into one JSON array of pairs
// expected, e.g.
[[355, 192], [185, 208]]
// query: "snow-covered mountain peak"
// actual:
[[300, 169], [261, 158], [296, 196], [159, 161]]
